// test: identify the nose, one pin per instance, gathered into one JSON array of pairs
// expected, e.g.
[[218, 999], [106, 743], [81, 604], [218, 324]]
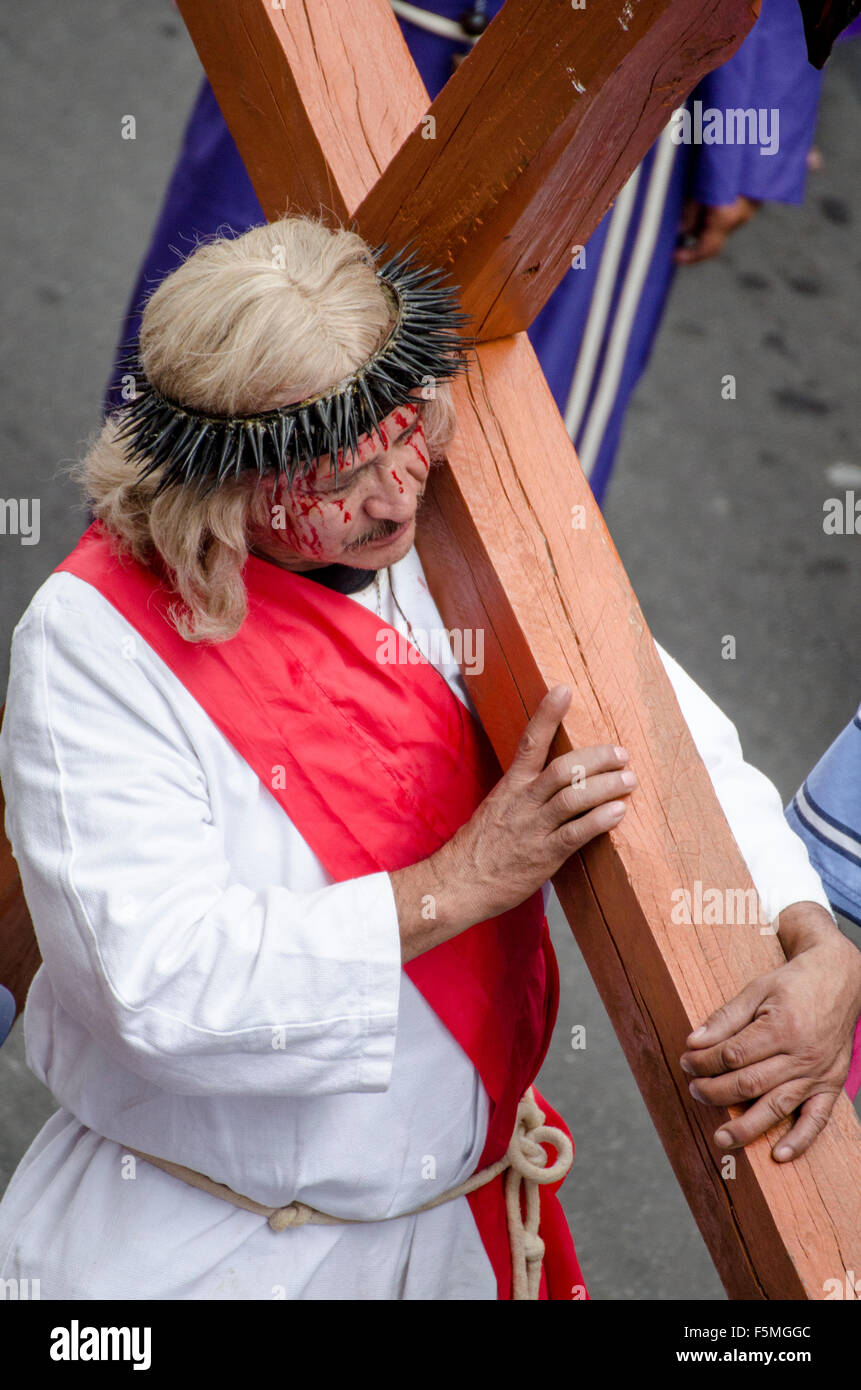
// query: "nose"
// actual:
[[393, 493]]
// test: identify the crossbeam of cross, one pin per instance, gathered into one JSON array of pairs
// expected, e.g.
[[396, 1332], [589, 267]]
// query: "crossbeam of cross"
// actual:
[[509, 169]]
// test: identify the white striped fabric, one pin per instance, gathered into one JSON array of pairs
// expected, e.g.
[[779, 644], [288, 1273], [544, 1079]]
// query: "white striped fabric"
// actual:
[[433, 23]]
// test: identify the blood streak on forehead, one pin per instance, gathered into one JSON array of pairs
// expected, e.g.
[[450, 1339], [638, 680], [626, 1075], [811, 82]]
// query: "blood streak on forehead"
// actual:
[[394, 424]]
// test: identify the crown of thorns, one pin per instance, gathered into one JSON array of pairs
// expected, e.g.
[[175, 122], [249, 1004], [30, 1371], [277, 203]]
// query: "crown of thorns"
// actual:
[[424, 346]]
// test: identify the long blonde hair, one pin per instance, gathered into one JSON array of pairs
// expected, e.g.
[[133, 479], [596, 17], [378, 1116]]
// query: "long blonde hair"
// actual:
[[244, 324]]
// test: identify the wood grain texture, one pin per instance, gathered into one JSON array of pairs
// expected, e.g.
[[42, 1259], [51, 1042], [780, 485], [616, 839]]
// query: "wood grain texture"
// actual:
[[320, 97], [533, 136], [500, 553]]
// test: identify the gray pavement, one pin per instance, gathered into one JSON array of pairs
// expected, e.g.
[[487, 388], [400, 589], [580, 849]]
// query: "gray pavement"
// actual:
[[716, 507]]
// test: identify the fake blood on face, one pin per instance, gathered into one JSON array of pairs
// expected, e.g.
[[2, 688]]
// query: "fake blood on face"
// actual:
[[304, 536], [300, 533], [339, 503], [414, 445]]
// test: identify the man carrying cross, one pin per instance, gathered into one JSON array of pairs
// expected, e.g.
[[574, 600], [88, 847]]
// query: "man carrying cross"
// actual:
[[297, 980]]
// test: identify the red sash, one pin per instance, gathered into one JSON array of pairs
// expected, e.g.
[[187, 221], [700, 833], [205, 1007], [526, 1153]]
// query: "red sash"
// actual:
[[382, 764]]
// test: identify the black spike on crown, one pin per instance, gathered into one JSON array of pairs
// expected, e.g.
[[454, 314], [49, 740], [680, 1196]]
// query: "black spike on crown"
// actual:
[[199, 448]]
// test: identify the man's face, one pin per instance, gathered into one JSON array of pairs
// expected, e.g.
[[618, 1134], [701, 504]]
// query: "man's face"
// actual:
[[366, 517]]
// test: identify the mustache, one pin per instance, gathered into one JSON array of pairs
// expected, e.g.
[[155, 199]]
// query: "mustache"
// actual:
[[383, 529]]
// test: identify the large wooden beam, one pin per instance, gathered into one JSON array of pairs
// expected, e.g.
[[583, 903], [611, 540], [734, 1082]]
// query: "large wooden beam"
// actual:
[[497, 539], [318, 97], [501, 553], [534, 136], [521, 154], [513, 544]]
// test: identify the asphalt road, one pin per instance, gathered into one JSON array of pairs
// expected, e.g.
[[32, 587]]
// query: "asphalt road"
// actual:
[[716, 507]]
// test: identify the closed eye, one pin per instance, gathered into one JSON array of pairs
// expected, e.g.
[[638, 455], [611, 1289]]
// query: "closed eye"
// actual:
[[332, 489]]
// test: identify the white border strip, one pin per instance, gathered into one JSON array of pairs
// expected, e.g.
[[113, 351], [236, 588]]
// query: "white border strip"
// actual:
[[590, 346], [851, 843], [629, 301]]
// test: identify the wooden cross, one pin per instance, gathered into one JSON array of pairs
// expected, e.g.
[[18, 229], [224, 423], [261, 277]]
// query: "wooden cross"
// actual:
[[500, 179]]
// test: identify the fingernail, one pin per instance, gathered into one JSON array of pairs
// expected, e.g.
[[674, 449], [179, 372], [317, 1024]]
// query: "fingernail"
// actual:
[[686, 1067], [621, 753], [696, 1092], [562, 692], [783, 1151], [616, 810], [724, 1138], [699, 1032], [629, 778]]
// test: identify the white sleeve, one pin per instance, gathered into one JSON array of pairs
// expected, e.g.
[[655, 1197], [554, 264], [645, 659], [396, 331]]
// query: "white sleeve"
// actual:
[[776, 857], [188, 977]]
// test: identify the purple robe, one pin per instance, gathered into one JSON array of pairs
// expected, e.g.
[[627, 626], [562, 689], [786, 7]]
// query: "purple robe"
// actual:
[[210, 192]]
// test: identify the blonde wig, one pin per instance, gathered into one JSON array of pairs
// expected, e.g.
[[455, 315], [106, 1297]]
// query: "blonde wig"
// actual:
[[278, 314]]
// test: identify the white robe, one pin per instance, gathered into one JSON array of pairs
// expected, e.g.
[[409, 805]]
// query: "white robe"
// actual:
[[209, 995]]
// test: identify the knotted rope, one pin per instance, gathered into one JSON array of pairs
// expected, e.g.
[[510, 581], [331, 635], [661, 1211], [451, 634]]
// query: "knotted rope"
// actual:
[[525, 1160]]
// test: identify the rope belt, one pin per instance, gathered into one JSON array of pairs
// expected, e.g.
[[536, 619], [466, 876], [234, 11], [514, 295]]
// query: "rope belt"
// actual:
[[525, 1160]]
